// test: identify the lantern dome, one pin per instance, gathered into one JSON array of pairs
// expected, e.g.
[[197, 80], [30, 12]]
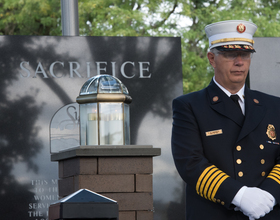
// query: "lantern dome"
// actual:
[[103, 88], [104, 111]]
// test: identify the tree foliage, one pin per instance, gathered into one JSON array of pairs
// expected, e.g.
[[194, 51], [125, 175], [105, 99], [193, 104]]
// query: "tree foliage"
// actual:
[[30, 17], [180, 18]]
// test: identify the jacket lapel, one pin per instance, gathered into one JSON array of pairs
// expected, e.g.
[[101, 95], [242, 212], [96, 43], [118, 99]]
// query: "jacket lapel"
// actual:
[[254, 112], [222, 104], [254, 109]]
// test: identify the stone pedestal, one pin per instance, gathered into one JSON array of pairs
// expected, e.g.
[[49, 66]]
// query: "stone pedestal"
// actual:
[[120, 172]]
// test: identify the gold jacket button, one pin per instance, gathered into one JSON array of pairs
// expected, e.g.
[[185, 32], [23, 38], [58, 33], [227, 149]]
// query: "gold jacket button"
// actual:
[[238, 148], [238, 161], [223, 203], [263, 173], [262, 161], [261, 147], [240, 173]]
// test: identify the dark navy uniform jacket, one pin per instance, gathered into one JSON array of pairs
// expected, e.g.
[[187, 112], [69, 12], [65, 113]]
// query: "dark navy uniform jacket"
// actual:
[[217, 150]]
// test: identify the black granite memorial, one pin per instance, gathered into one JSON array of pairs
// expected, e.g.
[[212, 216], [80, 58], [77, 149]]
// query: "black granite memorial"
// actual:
[[40, 75], [265, 65]]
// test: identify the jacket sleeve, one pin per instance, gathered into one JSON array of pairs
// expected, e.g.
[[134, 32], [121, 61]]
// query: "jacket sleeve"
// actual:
[[272, 183], [187, 148]]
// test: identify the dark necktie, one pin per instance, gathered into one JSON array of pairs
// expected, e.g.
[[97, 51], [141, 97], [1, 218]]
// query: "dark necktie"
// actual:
[[235, 98]]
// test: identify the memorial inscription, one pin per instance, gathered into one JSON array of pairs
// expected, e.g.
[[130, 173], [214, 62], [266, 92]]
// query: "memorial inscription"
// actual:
[[45, 193], [72, 69]]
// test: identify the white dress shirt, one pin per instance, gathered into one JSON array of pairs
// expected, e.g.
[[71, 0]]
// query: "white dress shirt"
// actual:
[[240, 94]]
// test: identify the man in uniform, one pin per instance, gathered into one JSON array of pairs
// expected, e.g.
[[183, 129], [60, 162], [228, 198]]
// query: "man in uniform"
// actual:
[[226, 148]]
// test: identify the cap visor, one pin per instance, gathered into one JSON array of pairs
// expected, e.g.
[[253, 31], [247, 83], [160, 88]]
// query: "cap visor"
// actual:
[[245, 48]]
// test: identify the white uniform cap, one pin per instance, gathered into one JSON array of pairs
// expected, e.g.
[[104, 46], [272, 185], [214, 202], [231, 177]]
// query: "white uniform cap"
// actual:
[[231, 32]]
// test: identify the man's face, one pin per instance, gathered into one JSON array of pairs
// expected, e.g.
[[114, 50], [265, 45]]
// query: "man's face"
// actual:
[[231, 68]]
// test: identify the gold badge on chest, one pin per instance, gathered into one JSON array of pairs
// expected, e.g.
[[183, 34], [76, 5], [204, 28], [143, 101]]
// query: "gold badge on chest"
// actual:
[[271, 133]]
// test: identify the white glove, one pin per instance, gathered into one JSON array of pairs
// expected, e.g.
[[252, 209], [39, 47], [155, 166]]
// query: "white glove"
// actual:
[[255, 202], [238, 209]]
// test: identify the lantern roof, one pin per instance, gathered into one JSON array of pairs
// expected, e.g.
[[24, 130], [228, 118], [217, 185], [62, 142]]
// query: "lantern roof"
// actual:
[[103, 88], [103, 84]]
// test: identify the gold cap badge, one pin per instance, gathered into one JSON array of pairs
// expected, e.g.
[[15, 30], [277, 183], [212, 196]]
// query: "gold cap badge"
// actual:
[[271, 133], [241, 28]]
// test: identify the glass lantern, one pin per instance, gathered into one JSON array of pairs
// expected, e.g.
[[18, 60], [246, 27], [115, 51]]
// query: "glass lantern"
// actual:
[[104, 112]]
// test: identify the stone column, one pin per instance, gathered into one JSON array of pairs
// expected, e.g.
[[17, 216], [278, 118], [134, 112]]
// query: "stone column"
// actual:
[[120, 172]]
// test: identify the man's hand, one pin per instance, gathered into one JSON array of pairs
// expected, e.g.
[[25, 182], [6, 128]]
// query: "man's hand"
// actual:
[[255, 202]]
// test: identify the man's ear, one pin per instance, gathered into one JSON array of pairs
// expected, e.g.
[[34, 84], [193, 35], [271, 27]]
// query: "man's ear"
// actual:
[[211, 58]]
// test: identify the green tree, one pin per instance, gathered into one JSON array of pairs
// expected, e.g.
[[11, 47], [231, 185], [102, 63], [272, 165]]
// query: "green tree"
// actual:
[[196, 71], [30, 17], [181, 18], [125, 18]]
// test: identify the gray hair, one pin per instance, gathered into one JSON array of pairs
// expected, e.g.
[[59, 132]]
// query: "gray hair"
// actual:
[[214, 51]]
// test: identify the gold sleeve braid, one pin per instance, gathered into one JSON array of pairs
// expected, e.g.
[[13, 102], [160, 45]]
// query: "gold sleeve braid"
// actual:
[[275, 173], [209, 182]]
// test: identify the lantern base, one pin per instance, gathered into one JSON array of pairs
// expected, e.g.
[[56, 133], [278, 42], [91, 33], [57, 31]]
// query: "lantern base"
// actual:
[[107, 150], [122, 173]]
